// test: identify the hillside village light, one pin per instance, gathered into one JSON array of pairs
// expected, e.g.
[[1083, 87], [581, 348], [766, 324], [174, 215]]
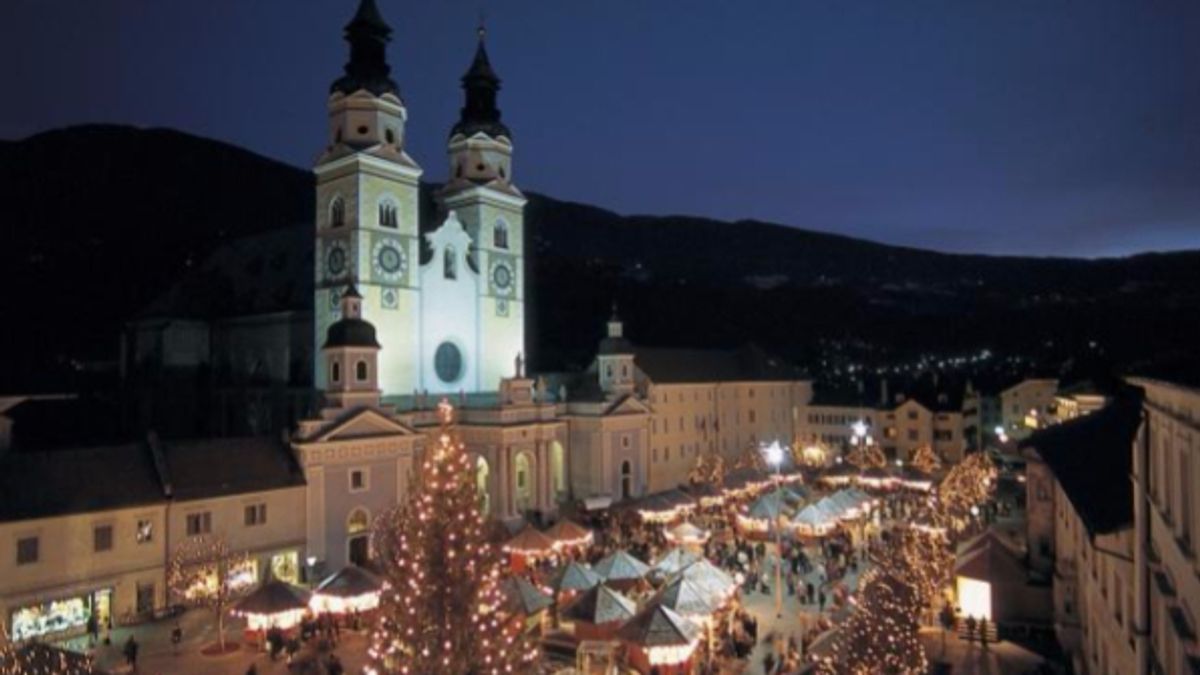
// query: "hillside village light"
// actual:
[[774, 455]]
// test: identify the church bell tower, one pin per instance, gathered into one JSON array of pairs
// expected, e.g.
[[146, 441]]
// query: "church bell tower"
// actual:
[[481, 193], [367, 208]]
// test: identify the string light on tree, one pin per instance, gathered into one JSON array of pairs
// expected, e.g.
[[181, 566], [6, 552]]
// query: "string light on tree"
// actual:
[[441, 610], [205, 572]]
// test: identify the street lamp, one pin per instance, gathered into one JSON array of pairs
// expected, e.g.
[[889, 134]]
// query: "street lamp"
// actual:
[[774, 455]]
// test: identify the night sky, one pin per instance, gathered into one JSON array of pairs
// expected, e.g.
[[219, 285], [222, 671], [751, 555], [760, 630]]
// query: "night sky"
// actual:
[[1047, 127]]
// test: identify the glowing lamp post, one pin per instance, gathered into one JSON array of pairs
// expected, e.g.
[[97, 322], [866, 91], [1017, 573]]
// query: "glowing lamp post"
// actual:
[[774, 455]]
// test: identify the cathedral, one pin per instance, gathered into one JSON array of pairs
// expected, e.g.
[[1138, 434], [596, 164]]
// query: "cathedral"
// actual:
[[410, 300], [448, 305]]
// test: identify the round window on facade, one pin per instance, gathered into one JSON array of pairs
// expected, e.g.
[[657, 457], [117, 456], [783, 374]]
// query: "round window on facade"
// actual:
[[447, 362]]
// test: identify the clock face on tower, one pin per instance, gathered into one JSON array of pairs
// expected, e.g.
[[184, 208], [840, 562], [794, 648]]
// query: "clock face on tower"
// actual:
[[502, 277], [388, 260], [335, 259]]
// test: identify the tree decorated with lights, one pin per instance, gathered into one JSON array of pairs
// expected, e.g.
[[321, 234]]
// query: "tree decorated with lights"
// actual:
[[926, 460], [708, 470], [968, 484], [751, 458], [866, 456], [882, 636], [441, 608], [205, 572]]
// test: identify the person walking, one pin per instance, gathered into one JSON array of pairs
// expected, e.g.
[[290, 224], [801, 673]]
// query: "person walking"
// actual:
[[821, 600], [131, 653], [983, 633], [93, 629], [970, 629]]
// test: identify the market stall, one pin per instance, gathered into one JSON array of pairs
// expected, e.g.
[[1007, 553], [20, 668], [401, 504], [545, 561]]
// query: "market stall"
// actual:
[[814, 521], [274, 604], [567, 535], [528, 602], [659, 640], [673, 561], [528, 546], [687, 535], [621, 570], [350, 590], [597, 613]]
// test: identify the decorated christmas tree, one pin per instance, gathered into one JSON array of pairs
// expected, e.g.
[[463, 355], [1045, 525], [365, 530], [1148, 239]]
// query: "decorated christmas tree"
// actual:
[[441, 611]]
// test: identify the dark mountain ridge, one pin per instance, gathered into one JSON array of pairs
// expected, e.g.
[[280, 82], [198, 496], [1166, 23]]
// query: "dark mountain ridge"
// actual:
[[100, 221]]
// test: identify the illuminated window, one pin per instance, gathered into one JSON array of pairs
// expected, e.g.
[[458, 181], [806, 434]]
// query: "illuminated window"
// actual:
[[145, 531], [358, 521]]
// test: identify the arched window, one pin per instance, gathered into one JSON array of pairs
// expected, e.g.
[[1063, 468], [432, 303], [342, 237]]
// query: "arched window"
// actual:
[[500, 234], [360, 371], [390, 136], [449, 263], [626, 480], [387, 214], [335, 372], [337, 212], [358, 521]]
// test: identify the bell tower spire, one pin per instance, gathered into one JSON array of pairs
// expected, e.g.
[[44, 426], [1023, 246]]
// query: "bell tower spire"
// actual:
[[368, 35], [368, 209], [481, 194]]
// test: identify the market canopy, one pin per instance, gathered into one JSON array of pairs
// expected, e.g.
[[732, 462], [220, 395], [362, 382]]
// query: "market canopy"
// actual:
[[351, 588], [768, 507], [674, 560], [814, 516], [689, 598], [274, 604], [659, 626], [567, 533], [523, 597], [710, 577], [348, 582], [687, 533], [621, 566], [273, 597], [600, 605], [530, 543], [575, 577]]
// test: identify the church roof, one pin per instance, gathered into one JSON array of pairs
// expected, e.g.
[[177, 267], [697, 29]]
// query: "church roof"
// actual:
[[368, 35], [351, 333], [1092, 458], [479, 112]]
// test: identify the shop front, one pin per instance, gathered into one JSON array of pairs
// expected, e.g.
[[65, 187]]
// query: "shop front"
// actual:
[[65, 615]]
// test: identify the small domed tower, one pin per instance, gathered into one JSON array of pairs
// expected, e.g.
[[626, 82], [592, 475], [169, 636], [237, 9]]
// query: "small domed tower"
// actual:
[[615, 359], [351, 355]]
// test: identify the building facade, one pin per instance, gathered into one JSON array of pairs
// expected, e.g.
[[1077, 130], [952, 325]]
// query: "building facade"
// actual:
[[448, 305]]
